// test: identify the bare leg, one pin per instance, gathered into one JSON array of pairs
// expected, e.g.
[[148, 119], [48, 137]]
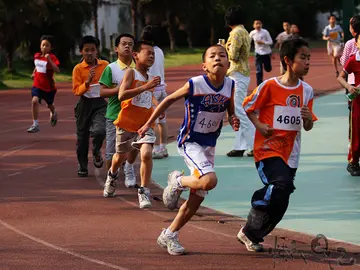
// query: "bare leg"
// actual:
[[146, 164], [35, 108]]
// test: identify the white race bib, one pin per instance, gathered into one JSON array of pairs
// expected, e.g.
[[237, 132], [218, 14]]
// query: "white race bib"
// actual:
[[287, 118], [143, 100], [207, 122], [94, 91], [40, 66]]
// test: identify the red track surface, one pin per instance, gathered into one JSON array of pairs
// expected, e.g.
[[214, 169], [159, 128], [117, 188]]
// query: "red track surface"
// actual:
[[51, 219]]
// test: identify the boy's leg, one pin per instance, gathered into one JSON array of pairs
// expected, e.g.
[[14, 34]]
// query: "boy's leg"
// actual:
[[269, 203], [259, 68], [35, 101], [49, 98], [110, 142], [98, 133], [267, 62], [160, 150]]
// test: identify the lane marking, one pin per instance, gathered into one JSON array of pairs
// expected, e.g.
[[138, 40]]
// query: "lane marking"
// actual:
[[13, 174]]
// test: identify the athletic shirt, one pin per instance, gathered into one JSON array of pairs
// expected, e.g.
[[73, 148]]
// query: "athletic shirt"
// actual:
[[136, 111], [334, 33], [205, 108], [279, 107], [44, 75]]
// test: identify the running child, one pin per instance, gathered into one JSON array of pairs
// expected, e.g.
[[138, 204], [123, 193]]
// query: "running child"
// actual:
[[279, 108], [136, 96], [44, 87], [110, 81], [281, 38], [207, 99], [353, 66], [149, 33], [90, 109], [334, 35]]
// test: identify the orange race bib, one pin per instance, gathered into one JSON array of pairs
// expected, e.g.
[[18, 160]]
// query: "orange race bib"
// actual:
[[333, 35]]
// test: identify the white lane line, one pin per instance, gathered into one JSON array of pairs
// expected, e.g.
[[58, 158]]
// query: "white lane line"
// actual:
[[13, 174], [17, 149], [64, 250], [39, 167]]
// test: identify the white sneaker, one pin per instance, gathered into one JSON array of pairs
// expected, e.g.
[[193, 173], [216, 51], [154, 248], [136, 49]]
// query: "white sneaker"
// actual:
[[251, 246], [157, 155], [172, 192], [110, 184], [144, 197], [130, 176], [164, 152], [171, 244]]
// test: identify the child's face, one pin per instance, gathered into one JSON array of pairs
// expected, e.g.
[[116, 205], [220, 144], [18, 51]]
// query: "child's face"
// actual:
[[146, 56], [257, 25], [89, 52], [286, 26], [332, 20], [301, 63], [125, 47], [216, 61], [45, 46], [294, 29]]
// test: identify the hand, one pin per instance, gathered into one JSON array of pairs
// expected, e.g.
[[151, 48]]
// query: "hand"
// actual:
[[234, 122], [150, 85], [47, 56], [143, 130], [305, 113], [265, 130], [91, 75], [353, 90]]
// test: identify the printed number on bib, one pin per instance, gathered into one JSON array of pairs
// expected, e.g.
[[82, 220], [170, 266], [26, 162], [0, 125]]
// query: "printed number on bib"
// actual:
[[287, 118], [207, 122]]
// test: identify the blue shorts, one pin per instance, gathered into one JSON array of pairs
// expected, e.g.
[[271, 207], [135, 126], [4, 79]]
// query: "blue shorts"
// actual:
[[41, 94]]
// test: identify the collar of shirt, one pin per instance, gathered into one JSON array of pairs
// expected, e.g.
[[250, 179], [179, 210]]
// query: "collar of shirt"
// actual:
[[123, 65], [97, 62], [239, 26]]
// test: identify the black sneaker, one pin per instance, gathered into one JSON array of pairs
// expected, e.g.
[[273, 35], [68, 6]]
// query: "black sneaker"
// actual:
[[82, 173], [236, 153], [98, 161], [353, 169]]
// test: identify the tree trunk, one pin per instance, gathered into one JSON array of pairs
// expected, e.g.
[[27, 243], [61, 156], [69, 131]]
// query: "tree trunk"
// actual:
[[188, 37], [212, 34], [170, 31], [134, 14], [9, 57], [95, 7]]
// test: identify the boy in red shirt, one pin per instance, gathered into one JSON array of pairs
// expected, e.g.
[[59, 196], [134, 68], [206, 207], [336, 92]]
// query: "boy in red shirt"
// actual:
[[353, 66], [44, 88]]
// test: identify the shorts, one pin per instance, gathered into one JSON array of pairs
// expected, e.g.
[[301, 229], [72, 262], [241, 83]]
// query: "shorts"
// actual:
[[334, 49], [160, 94], [199, 159], [41, 94], [110, 139], [127, 141]]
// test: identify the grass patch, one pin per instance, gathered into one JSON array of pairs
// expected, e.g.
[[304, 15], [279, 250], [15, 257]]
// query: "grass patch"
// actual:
[[183, 57]]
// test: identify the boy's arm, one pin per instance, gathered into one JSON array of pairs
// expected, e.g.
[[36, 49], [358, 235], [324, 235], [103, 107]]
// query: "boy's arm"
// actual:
[[268, 39], [107, 89], [33, 73], [126, 92], [79, 87], [170, 99], [342, 80], [233, 46], [54, 67], [232, 118]]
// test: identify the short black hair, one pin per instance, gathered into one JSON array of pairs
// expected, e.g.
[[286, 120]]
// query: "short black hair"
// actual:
[[88, 40], [355, 23], [138, 45], [215, 45], [48, 38], [150, 33], [290, 48], [234, 15], [117, 40], [332, 15]]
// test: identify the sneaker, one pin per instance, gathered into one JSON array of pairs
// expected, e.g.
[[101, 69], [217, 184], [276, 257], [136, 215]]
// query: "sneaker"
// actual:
[[353, 169], [236, 153], [172, 192], [33, 129], [53, 119], [98, 161], [110, 184], [157, 155], [171, 244], [144, 197], [251, 246], [249, 153], [130, 176], [164, 152], [82, 172]]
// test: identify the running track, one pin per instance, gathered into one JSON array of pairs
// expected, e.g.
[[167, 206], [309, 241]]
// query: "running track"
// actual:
[[50, 219]]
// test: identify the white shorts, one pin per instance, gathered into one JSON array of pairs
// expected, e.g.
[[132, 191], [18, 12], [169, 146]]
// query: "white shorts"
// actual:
[[199, 159], [334, 49], [160, 94]]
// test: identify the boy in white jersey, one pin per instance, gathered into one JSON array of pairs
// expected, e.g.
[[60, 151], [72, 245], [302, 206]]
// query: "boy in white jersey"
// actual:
[[208, 98], [279, 108], [334, 35], [135, 95], [110, 81]]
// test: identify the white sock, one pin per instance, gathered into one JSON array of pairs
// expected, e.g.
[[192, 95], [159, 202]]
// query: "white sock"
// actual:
[[36, 122], [170, 233], [156, 148], [127, 164], [162, 146]]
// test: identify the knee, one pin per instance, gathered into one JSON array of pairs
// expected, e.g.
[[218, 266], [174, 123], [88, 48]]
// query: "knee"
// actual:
[[209, 181], [146, 155], [98, 133], [35, 101]]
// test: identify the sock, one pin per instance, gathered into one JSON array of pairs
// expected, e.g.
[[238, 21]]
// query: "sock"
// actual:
[[170, 233], [127, 164], [113, 174], [162, 146], [178, 180], [36, 122], [156, 148]]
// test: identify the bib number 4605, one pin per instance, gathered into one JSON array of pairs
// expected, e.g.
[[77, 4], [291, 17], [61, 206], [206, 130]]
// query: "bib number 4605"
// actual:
[[293, 120]]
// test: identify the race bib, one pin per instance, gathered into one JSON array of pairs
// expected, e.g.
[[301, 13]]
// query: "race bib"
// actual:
[[333, 35], [94, 91], [207, 122], [287, 118], [40, 66], [144, 100]]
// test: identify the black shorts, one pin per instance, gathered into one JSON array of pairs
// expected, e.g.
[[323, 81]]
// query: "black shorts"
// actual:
[[41, 94]]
